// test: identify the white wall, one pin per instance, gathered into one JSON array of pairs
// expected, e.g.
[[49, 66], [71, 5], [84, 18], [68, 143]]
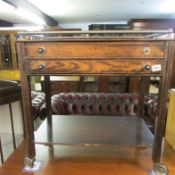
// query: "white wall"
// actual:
[[5, 123]]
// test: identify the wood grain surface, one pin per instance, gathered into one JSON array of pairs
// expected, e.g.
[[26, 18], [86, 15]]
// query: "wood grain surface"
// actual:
[[91, 66], [70, 160], [95, 49]]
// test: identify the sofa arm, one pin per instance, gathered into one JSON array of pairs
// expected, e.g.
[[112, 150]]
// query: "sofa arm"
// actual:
[[38, 104]]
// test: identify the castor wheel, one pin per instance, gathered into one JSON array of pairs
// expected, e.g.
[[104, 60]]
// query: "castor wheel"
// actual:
[[29, 162], [159, 169]]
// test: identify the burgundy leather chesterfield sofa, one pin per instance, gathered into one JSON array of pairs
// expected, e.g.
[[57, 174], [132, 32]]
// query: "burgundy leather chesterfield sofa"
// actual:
[[104, 104]]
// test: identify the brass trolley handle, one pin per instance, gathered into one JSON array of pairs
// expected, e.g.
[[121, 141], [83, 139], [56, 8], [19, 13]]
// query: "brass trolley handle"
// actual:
[[146, 50], [41, 50], [147, 67], [41, 67]]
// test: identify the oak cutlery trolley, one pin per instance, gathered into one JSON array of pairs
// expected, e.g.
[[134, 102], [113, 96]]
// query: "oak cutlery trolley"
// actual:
[[99, 53]]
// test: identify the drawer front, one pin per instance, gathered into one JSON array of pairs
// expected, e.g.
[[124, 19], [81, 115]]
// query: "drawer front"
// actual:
[[94, 67], [84, 50]]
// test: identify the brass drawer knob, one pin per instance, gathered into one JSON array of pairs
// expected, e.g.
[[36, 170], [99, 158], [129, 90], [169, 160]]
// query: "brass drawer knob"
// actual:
[[41, 66], [147, 67], [41, 50], [146, 50]]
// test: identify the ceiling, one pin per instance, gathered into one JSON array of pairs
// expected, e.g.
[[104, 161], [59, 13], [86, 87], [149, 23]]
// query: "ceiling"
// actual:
[[89, 11]]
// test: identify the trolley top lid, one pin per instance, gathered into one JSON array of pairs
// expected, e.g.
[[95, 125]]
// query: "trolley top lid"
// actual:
[[90, 35]]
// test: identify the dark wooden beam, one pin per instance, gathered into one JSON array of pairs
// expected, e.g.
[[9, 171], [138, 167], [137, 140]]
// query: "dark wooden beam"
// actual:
[[30, 7], [5, 23]]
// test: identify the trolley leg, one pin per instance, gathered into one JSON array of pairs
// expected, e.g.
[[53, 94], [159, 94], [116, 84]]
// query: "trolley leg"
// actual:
[[12, 126]]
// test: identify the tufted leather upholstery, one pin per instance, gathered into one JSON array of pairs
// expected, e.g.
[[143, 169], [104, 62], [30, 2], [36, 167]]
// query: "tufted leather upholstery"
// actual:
[[38, 104], [95, 104], [104, 104]]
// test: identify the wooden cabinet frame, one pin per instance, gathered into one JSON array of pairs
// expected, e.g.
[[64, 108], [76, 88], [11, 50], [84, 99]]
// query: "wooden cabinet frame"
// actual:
[[38, 57]]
